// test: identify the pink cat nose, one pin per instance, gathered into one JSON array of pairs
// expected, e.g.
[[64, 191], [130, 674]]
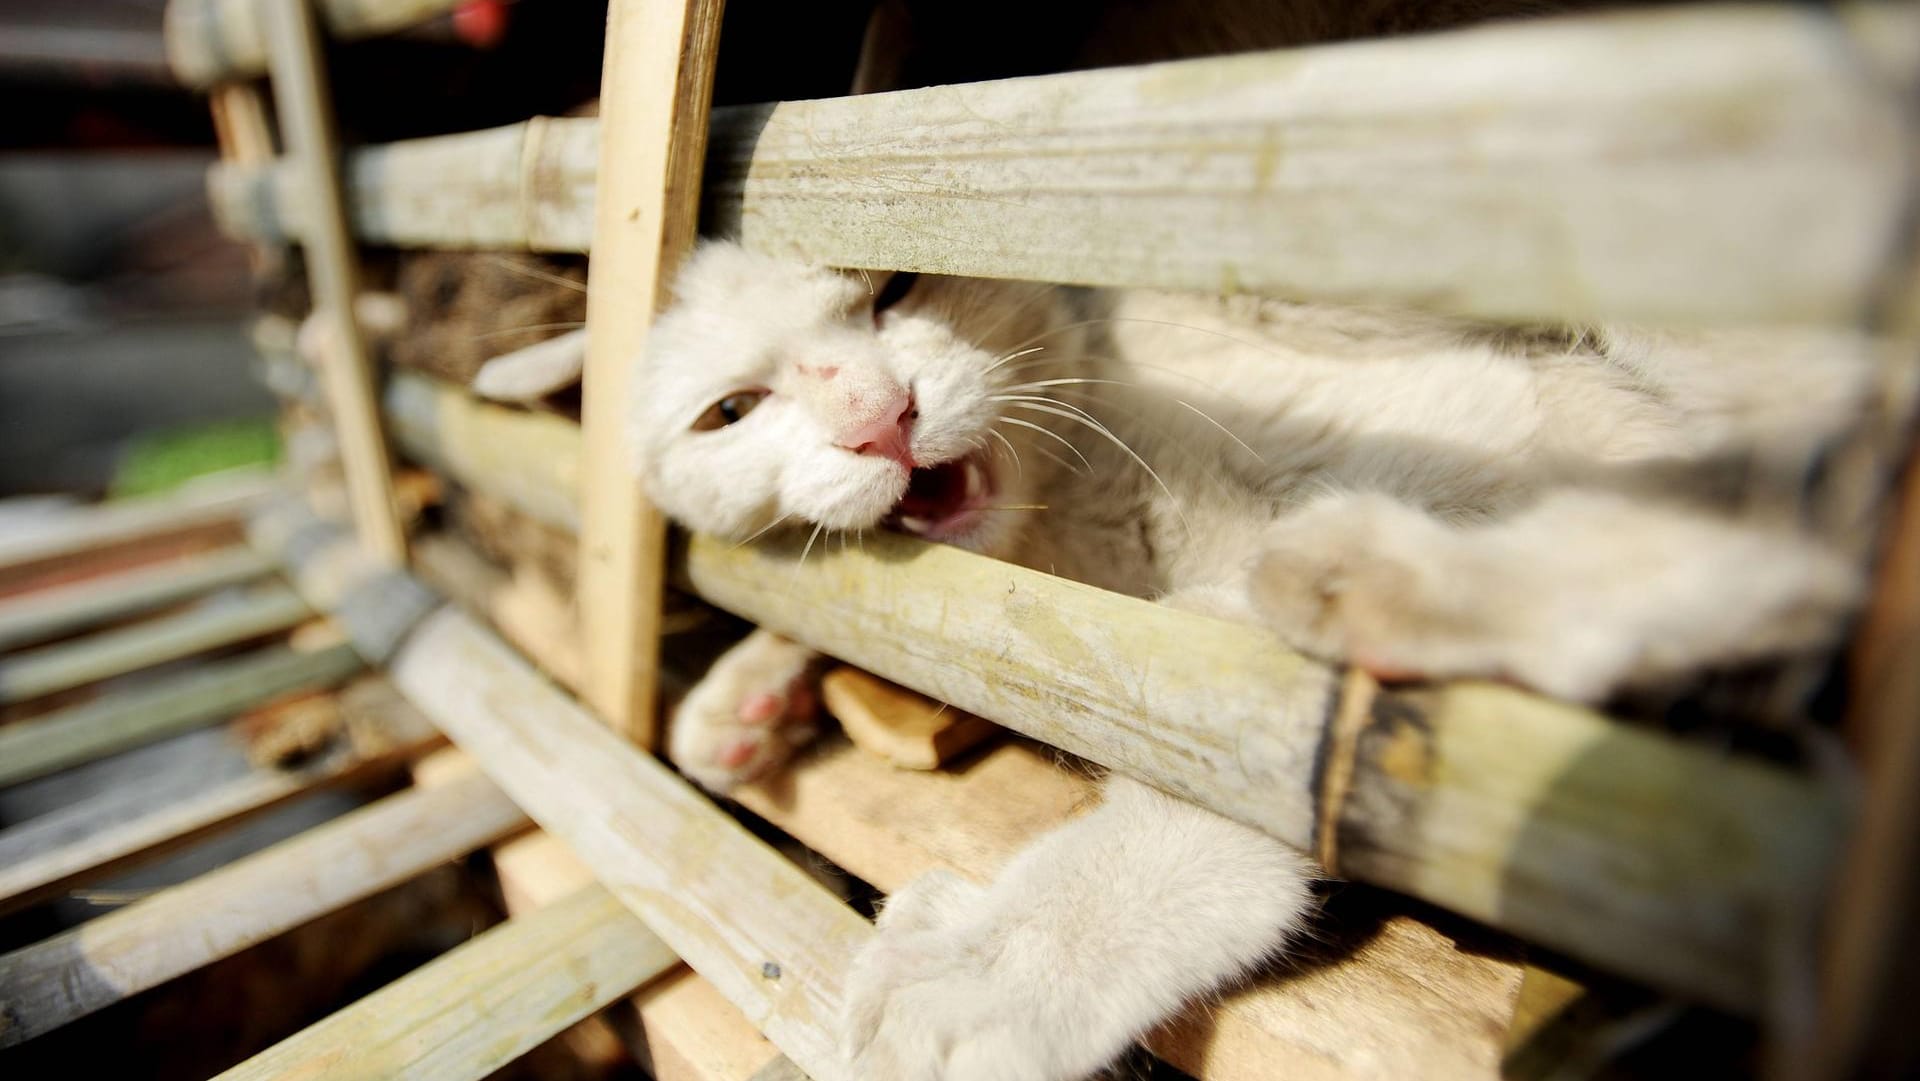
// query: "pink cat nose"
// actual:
[[889, 434]]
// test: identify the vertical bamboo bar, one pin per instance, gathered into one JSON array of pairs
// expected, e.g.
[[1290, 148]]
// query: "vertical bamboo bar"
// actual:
[[654, 99], [306, 123]]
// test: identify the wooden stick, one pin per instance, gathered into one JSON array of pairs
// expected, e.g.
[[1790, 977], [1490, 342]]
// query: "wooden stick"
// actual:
[[269, 610], [203, 508], [306, 123], [1572, 168], [141, 715], [44, 856], [177, 930], [655, 93], [695, 876], [46, 613], [475, 1009], [212, 40]]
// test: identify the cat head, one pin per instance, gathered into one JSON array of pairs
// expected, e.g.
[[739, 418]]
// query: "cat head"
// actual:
[[776, 393]]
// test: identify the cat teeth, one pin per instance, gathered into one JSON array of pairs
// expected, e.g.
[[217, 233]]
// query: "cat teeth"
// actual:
[[976, 477], [915, 525]]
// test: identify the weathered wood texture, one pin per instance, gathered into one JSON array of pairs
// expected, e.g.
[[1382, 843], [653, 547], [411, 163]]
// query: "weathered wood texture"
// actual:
[[203, 508], [907, 729], [697, 878], [268, 610], [346, 370], [1719, 163], [63, 609], [177, 930], [655, 93], [477, 1008], [138, 715], [531, 460], [212, 40], [86, 841], [1631, 850]]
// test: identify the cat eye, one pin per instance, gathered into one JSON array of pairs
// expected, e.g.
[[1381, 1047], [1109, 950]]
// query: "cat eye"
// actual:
[[895, 291], [729, 409]]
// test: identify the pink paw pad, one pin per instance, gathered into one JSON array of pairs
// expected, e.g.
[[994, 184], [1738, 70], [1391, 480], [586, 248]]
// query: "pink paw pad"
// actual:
[[737, 754], [763, 708]]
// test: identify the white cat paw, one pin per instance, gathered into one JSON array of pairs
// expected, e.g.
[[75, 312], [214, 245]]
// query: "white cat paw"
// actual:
[[1324, 585], [754, 708], [941, 995]]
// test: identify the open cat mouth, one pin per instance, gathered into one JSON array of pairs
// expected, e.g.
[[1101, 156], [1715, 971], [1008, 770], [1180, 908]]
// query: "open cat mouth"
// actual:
[[943, 500]]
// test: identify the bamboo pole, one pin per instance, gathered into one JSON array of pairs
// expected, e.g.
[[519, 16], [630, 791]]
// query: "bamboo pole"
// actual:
[[213, 40], [1740, 164], [47, 613], [695, 876], [655, 93], [208, 626], [470, 1012], [87, 841], [177, 930], [306, 123], [141, 715]]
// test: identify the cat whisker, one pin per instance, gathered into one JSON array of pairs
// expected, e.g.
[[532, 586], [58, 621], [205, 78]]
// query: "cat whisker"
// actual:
[[1016, 506], [1198, 412], [526, 330], [534, 272], [1051, 434], [1075, 413], [1008, 443], [761, 532], [811, 537], [1012, 357]]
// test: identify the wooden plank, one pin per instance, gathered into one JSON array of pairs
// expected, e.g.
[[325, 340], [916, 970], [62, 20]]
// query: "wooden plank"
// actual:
[[1677, 165], [205, 507], [209, 626], [58, 610], [477, 1008], [212, 40], [44, 856], [909, 730], [306, 124], [140, 715], [656, 89], [177, 930], [693, 874]]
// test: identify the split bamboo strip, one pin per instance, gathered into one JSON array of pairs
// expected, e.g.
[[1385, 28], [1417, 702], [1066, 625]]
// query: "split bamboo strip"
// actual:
[[1628, 849], [204, 506], [44, 856], [1650, 165], [46, 613], [531, 460], [306, 124], [213, 40], [656, 90], [140, 715], [696, 877], [475, 1009], [208, 626], [177, 930]]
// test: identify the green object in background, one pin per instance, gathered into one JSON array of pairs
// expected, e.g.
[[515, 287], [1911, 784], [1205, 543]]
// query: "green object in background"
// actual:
[[158, 461]]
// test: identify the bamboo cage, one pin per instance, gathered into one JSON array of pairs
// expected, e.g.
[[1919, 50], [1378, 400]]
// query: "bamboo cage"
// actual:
[[1628, 178]]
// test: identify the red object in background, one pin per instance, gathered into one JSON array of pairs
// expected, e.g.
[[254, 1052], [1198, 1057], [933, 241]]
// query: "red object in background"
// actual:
[[481, 23]]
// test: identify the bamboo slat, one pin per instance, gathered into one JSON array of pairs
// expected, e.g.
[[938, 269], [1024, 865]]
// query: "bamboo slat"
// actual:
[[270, 610], [212, 40], [695, 876], [177, 930], [204, 507], [475, 1009], [346, 370], [141, 715], [655, 94], [46, 613], [43, 856], [1677, 165]]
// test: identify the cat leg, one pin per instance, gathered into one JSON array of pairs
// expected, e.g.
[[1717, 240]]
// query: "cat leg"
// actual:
[[754, 707], [1092, 935], [1576, 595]]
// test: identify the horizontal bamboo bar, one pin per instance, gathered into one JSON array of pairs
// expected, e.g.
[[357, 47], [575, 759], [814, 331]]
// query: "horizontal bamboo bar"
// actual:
[[1677, 165], [210, 626], [1625, 848], [209, 41], [45, 613], [200, 507], [139, 715], [475, 1009], [44, 856], [531, 460], [108, 959], [696, 877]]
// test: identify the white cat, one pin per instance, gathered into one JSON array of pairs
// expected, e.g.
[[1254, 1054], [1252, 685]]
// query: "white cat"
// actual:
[[1420, 496]]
